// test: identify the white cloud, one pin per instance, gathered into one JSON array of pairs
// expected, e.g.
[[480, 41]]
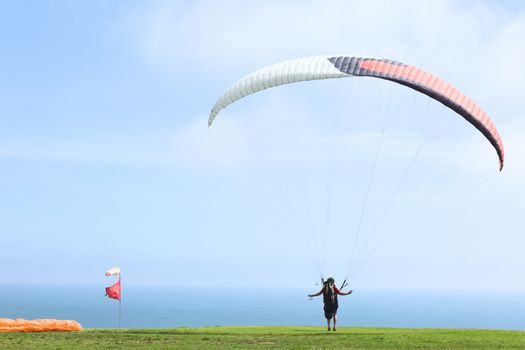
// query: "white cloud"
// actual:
[[223, 36]]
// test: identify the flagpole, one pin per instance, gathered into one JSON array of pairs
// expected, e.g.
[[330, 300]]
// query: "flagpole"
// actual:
[[119, 301]]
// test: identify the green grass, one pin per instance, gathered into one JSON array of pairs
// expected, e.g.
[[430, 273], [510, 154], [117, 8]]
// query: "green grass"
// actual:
[[267, 338]]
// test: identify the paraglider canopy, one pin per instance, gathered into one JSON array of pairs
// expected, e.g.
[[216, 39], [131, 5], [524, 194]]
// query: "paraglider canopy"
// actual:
[[45, 325], [328, 67]]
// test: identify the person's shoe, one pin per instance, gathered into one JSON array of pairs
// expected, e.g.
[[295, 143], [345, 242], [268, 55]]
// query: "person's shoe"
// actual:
[[329, 329], [334, 329]]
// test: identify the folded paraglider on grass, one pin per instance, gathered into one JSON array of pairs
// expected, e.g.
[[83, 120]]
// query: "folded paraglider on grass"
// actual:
[[45, 325]]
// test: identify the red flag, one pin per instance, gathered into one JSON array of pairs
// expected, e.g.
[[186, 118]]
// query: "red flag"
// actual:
[[113, 291]]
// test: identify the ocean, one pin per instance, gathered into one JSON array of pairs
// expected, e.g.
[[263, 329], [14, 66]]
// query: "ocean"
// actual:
[[144, 307]]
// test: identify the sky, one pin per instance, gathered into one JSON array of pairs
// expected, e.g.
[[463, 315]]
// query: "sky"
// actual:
[[106, 158]]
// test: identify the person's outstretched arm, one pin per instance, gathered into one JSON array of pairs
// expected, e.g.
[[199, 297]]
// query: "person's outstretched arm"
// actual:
[[343, 293], [316, 294]]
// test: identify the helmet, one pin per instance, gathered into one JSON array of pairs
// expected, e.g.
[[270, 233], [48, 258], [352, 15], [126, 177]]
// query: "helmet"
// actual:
[[330, 280]]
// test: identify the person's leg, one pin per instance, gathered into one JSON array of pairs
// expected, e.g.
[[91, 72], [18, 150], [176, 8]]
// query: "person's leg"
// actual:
[[328, 316], [335, 321]]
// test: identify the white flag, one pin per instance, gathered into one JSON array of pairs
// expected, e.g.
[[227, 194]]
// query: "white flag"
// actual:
[[113, 272]]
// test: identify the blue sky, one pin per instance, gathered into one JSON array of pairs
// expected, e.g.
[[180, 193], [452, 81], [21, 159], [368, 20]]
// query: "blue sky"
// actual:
[[106, 157]]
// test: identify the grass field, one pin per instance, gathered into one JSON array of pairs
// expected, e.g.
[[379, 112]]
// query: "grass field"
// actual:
[[267, 338]]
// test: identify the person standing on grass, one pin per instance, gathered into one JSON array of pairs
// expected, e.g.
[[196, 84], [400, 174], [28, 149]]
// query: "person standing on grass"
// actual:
[[330, 292]]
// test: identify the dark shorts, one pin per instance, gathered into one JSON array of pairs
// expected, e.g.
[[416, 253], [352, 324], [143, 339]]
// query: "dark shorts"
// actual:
[[330, 311]]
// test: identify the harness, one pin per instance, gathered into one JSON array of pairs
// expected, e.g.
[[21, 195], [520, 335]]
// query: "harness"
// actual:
[[329, 295]]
